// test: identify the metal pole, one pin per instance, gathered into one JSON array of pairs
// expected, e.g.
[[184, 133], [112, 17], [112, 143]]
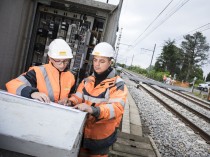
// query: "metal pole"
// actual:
[[152, 57], [208, 97], [116, 56], [132, 60], [118, 45]]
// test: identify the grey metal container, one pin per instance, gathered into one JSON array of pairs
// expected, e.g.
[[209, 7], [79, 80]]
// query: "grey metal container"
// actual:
[[38, 129]]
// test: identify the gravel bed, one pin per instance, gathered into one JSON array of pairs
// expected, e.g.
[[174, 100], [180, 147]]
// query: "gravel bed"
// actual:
[[171, 136]]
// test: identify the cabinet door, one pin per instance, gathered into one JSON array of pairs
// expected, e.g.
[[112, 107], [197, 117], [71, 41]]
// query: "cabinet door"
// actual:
[[112, 25]]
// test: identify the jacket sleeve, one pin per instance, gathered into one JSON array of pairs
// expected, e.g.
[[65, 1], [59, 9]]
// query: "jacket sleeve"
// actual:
[[77, 98], [114, 108], [23, 85]]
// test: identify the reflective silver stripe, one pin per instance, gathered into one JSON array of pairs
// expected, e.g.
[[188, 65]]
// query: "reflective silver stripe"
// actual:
[[119, 80], [78, 94], [94, 100], [112, 74], [24, 80], [48, 84], [85, 81], [107, 95], [117, 100], [19, 89], [111, 110]]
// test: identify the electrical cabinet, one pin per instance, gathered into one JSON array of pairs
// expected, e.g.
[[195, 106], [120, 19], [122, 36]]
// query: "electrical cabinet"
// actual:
[[81, 31]]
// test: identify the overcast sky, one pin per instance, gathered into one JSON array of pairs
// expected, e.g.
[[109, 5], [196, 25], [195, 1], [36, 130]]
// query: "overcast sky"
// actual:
[[137, 15]]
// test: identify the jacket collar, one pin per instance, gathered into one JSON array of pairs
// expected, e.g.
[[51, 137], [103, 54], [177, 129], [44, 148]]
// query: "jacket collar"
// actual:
[[111, 74], [109, 80]]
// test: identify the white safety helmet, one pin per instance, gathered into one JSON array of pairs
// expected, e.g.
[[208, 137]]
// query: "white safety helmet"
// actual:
[[103, 49], [59, 49]]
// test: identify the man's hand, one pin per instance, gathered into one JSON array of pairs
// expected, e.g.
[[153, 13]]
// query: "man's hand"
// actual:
[[40, 96], [84, 107], [65, 102]]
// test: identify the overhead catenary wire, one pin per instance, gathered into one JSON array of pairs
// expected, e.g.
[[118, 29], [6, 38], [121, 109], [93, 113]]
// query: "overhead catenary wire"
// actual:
[[199, 29], [154, 20], [166, 18], [172, 11], [162, 22]]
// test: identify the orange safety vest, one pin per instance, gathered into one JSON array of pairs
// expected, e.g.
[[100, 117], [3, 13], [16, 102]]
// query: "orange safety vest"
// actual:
[[110, 96], [57, 85]]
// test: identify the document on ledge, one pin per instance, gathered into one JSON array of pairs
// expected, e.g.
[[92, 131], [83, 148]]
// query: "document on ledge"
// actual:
[[64, 107], [51, 103]]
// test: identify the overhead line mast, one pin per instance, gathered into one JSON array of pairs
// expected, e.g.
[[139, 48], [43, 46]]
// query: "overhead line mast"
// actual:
[[118, 45]]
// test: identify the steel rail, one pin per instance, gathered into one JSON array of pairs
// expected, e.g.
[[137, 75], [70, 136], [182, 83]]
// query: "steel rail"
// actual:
[[194, 127], [195, 101], [204, 117]]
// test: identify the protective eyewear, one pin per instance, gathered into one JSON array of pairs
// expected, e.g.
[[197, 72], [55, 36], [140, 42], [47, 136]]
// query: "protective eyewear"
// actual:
[[59, 62]]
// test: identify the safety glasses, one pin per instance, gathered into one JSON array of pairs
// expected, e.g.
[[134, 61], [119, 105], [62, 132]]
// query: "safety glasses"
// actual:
[[59, 62]]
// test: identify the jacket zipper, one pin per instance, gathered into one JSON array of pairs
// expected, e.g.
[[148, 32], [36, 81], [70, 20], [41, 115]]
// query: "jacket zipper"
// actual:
[[59, 85]]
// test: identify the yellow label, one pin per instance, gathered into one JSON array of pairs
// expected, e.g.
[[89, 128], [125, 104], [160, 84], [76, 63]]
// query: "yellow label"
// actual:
[[67, 88], [96, 53], [62, 53]]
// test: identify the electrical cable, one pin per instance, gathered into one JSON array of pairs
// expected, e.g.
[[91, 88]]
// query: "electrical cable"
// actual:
[[177, 7], [180, 6], [154, 20], [206, 25]]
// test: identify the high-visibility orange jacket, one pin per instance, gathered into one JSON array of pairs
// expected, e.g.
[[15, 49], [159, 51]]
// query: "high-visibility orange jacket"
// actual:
[[46, 79], [109, 98]]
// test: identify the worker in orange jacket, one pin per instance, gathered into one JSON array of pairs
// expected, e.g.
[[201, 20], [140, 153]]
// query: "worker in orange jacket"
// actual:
[[49, 82], [103, 95]]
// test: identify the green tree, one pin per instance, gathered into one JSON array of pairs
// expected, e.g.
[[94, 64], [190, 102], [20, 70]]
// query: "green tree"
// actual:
[[195, 52], [208, 77], [169, 59]]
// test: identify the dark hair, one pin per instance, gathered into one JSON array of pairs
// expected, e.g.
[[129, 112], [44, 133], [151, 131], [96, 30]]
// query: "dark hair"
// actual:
[[111, 58]]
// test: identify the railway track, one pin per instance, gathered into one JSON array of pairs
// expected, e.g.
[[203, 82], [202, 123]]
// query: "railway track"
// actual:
[[167, 94], [195, 99], [170, 102]]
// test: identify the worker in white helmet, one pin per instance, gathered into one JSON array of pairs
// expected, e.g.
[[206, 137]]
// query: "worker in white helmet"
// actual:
[[49, 82], [103, 96]]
